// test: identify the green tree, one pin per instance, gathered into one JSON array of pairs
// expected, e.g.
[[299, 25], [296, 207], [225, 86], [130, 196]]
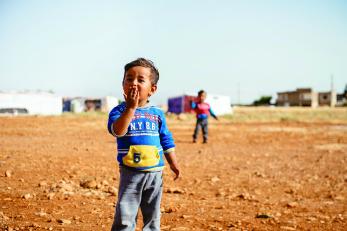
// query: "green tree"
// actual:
[[263, 101]]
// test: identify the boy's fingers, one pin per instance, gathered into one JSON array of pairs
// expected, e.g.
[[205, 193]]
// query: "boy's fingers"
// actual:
[[177, 173], [132, 92]]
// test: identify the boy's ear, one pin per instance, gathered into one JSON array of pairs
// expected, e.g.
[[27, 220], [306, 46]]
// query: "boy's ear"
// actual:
[[153, 90]]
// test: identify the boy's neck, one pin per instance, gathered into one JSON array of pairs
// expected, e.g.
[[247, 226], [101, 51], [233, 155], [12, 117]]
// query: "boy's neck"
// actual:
[[144, 103]]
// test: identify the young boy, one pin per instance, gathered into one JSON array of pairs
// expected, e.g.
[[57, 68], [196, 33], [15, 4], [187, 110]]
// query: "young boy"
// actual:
[[202, 110], [143, 139]]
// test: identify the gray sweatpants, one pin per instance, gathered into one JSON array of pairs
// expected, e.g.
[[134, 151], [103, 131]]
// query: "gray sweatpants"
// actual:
[[138, 190], [203, 123]]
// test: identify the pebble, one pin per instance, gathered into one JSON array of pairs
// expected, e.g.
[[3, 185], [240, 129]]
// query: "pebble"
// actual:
[[174, 190], [220, 193], [41, 214], [112, 190], [245, 196], [185, 216], [91, 184], [105, 182], [50, 196], [287, 228], [292, 204], [215, 179], [263, 215], [64, 221], [180, 229], [339, 198], [43, 183], [3, 216], [170, 210], [26, 196], [8, 173]]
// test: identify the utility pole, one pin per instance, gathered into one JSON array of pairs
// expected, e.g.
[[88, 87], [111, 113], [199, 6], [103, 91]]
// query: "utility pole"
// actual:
[[332, 92], [238, 93]]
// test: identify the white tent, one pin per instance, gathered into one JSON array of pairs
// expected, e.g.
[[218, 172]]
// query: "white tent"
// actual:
[[220, 104], [108, 103], [32, 103]]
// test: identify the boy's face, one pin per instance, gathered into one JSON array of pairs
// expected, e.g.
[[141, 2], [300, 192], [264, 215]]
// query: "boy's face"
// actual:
[[140, 78], [202, 97]]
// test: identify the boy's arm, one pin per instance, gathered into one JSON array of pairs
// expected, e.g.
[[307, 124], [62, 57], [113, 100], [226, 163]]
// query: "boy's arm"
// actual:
[[120, 126], [212, 114], [172, 160], [192, 104]]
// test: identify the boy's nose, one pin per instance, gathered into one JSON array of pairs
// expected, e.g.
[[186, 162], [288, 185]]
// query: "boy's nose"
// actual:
[[134, 82]]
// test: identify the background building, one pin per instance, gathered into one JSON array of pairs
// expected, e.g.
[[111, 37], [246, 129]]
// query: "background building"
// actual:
[[32, 103], [306, 97]]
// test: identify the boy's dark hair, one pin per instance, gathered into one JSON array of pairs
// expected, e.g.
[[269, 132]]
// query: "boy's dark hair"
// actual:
[[201, 92], [142, 62]]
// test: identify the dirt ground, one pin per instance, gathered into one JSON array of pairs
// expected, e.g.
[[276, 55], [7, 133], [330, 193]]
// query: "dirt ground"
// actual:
[[60, 173]]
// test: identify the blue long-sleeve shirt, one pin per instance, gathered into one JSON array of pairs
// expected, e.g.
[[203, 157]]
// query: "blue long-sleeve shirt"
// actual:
[[146, 140]]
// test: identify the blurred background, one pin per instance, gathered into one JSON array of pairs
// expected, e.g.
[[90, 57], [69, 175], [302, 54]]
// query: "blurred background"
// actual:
[[243, 50]]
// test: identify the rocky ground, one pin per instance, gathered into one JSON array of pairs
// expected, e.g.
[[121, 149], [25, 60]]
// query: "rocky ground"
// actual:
[[60, 173]]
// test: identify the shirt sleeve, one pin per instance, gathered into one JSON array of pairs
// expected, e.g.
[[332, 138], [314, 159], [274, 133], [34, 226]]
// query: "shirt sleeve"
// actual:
[[166, 139], [212, 113], [113, 116]]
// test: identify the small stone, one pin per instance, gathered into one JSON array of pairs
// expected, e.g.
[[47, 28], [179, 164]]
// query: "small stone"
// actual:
[[3, 216], [292, 204], [263, 215], [43, 183], [105, 182], [185, 216], [180, 229], [88, 184], [259, 174], [41, 214], [64, 221], [26, 196], [289, 191], [287, 228], [339, 198], [170, 210], [112, 190], [245, 196], [175, 190], [8, 173], [220, 193], [215, 179], [50, 196]]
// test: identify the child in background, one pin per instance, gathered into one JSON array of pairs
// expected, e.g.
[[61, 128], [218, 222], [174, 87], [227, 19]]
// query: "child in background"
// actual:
[[202, 110], [143, 140]]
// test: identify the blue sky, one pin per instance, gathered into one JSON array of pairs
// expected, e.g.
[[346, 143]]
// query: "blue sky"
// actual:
[[243, 49]]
